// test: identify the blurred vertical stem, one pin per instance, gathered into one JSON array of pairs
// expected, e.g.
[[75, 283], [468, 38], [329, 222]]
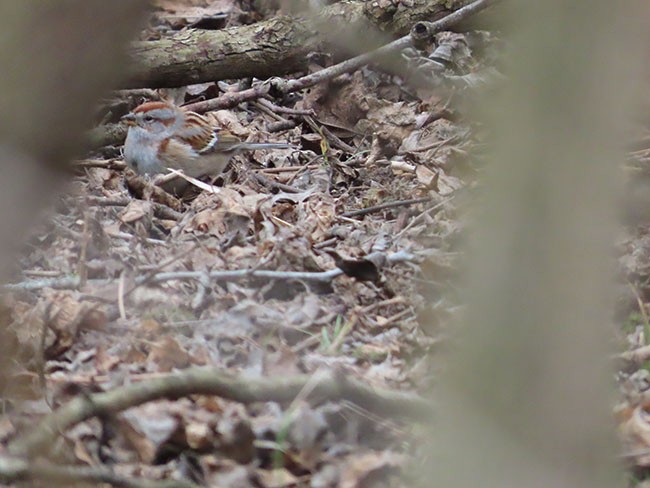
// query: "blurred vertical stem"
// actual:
[[57, 59], [526, 398]]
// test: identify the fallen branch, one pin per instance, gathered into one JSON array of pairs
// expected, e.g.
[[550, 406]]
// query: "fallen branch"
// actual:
[[285, 87], [209, 381], [384, 206], [72, 282], [161, 211], [269, 182], [423, 215], [114, 134], [273, 47], [426, 30], [15, 469], [239, 274]]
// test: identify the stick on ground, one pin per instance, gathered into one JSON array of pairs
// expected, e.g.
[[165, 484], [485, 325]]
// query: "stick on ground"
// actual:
[[210, 381]]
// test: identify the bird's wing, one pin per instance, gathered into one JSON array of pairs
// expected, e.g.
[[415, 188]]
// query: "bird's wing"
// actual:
[[198, 133], [227, 141], [180, 155]]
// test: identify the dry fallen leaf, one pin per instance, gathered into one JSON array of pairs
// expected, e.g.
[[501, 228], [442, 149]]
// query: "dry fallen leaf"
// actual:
[[149, 428], [135, 210], [276, 478], [167, 354], [369, 468], [635, 434], [426, 177], [66, 315]]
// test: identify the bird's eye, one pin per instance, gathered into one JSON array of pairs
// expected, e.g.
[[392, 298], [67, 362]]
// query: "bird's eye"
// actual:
[[148, 118]]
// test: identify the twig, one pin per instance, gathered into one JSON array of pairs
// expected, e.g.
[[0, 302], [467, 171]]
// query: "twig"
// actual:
[[161, 211], [398, 300], [306, 343], [380, 422], [284, 110], [345, 66], [402, 166], [151, 191], [120, 295], [230, 100], [287, 169], [211, 381], [42, 273], [324, 131], [201, 297], [325, 243], [281, 125], [359, 61], [82, 271], [384, 206], [417, 219], [100, 163], [394, 318], [435, 145], [426, 30], [303, 169], [239, 274], [635, 454], [64, 283], [284, 87], [129, 237], [275, 184], [233, 275], [17, 469], [114, 134], [268, 111], [229, 275]]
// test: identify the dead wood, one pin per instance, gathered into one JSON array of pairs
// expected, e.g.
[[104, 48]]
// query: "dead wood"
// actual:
[[114, 134], [277, 46], [209, 381], [13, 469]]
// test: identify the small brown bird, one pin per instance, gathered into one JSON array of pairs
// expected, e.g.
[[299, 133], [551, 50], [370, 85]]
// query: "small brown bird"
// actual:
[[163, 136]]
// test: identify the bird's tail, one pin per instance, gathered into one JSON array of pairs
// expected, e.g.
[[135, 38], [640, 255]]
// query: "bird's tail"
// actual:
[[253, 146]]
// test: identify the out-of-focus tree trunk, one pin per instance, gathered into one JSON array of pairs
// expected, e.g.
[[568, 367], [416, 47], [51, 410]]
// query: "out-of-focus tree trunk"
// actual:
[[57, 58], [526, 398]]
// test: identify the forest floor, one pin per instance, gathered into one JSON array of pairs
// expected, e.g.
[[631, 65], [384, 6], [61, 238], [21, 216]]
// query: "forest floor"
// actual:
[[361, 227]]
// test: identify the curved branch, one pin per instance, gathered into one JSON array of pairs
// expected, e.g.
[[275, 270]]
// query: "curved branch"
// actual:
[[210, 381]]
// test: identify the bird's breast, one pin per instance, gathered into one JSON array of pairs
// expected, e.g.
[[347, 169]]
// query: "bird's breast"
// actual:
[[141, 152]]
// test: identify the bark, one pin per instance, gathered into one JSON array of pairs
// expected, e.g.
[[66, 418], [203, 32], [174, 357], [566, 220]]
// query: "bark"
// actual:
[[279, 45]]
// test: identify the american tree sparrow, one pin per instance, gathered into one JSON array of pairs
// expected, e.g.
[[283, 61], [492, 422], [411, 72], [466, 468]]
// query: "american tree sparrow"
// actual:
[[162, 136]]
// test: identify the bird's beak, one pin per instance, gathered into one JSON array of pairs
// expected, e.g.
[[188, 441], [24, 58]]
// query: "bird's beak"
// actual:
[[128, 119]]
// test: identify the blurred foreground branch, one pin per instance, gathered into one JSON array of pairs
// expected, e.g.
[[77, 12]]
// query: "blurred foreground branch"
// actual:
[[325, 386], [58, 58], [14, 469]]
